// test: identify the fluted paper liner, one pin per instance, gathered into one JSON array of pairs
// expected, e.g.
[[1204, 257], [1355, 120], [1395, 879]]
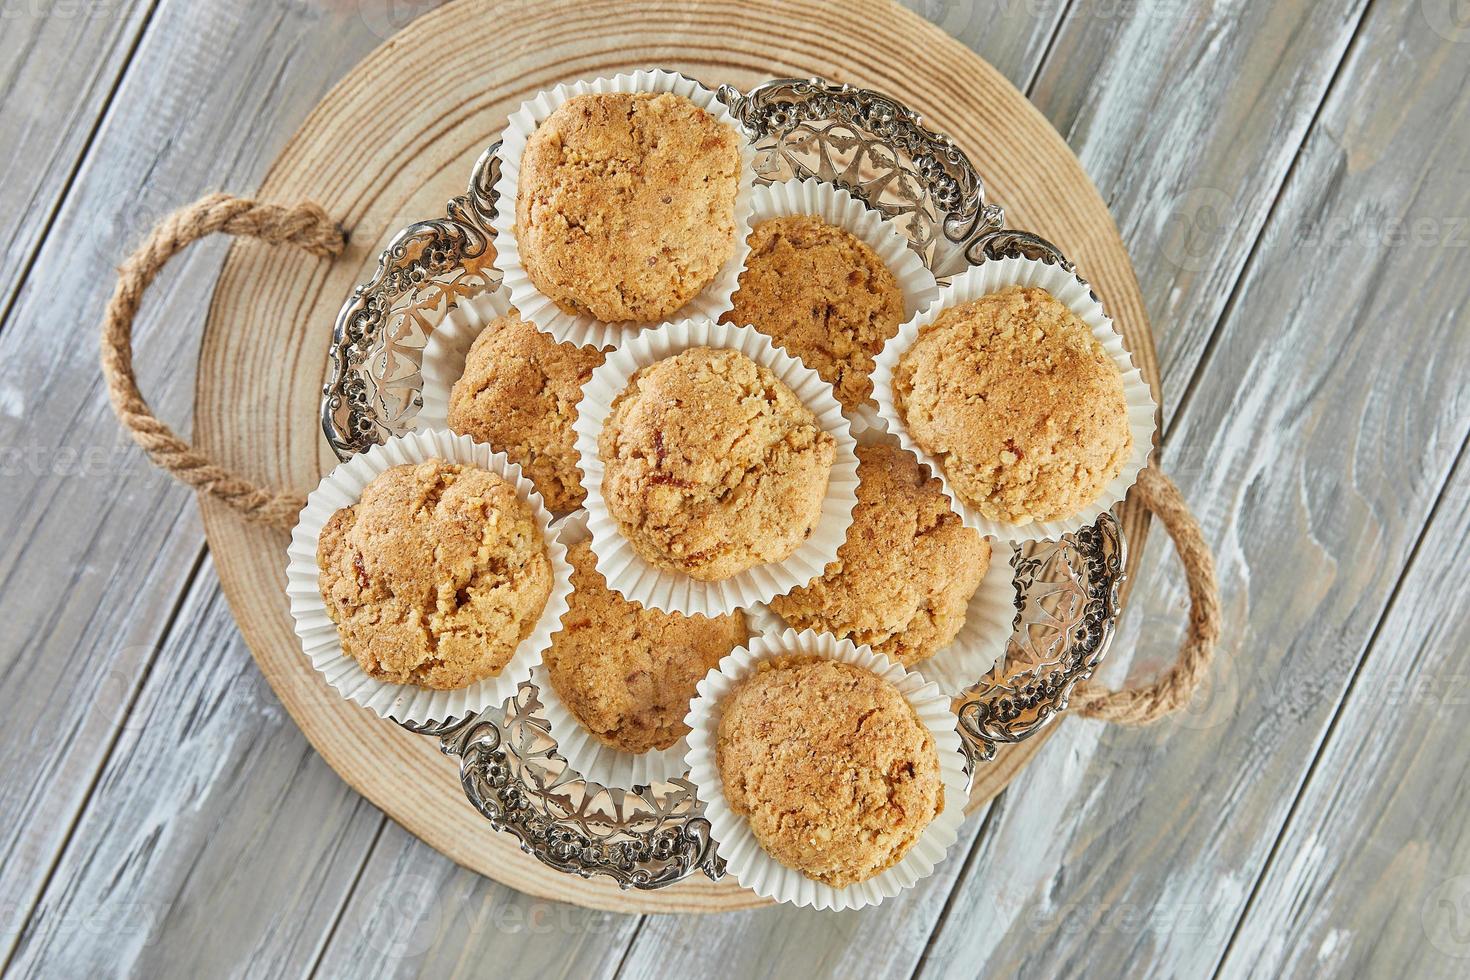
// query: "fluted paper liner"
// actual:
[[318, 634], [596, 760], [990, 277], [625, 570], [447, 350], [989, 617], [743, 855], [582, 329]]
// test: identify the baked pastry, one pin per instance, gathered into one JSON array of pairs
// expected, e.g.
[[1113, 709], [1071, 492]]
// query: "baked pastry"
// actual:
[[830, 766], [905, 575], [435, 575], [823, 295], [625, 207], [519, 394], [628, 673], [712, 465], [1019, 402]]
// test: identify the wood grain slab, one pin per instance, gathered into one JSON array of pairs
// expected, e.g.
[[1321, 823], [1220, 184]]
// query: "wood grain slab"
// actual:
[[393, 141]]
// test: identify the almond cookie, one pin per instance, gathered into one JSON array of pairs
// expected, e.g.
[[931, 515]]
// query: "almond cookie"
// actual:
[[626, 204], [519, 394], [628, 673], [713, 465], [823, 295], [905, 575], [435, 575], [830, 766], [1019, 402]]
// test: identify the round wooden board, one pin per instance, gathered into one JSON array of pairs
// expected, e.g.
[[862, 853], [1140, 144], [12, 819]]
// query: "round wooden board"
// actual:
[[395, 140]]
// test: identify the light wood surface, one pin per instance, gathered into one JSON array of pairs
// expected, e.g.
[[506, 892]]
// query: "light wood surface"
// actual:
[[442, 127], [1300, 820]]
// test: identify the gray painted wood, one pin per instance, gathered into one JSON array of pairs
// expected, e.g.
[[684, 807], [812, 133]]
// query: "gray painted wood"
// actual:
[[1314, 445], [206, 841]]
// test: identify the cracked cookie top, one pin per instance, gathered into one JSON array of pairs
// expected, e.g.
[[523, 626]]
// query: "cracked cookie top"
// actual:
[[628, 673], [519, 394], [830, 766], [905, 575], [1019, 402], [435, 575], [823, 295], [625, 206], [712, 465]]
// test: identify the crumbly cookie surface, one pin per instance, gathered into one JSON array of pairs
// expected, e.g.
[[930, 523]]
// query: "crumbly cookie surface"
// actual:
[[824, 296], [712, 465], [831, 767], [1019, 402], [628, 673], [626, 204], [435, 575], [519, 393], [905, 575]]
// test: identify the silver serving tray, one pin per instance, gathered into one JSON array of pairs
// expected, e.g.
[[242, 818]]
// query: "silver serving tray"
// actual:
[[1067, 592]]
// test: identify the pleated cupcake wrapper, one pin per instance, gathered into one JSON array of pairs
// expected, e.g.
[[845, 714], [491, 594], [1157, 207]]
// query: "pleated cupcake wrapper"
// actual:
[[746, 860], [581, 329], [836, 206], [981, 641], [595, 760], [990, 277], [625, 570], [318, 634], [447, 350]]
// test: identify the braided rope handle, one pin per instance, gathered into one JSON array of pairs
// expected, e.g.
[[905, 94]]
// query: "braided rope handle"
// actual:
[[307, 226]]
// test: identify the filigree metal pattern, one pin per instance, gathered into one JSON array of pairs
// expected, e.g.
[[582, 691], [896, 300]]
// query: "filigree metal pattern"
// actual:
[[1066, 592]]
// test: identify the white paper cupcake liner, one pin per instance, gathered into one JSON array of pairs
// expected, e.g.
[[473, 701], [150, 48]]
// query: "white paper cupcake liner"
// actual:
[[743, 855], [581, 329], [595, 760], [981, 641], [318, 634], [656, 588], [990, 277], [447, 350]]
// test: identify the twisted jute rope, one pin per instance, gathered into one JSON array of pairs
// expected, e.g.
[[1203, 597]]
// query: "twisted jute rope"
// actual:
[[308, 226]]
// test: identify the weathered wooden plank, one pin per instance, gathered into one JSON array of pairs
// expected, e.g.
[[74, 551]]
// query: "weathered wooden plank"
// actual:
[[99, 545], [215, 839], [1013, 37], [1372, 876], [59, 63], [414, 913], [1313, 446], [1187, 116]]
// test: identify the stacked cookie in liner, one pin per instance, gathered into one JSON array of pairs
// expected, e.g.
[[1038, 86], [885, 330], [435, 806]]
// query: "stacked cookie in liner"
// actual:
[[759, 415]]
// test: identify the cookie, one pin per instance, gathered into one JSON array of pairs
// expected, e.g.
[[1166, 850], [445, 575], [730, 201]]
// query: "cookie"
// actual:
[[712, 465], [519, 393], [1019, 402], [625, 207], [435, 575], [830, 766], [907, 570], [824, 296]]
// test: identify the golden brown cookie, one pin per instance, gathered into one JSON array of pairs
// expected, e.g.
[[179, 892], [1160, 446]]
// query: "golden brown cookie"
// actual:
[[435, 575], [628, 673], [626, 204], [1019, 402], [904, 576], [831, 767], [519, 394], [712, 465], [823, 295]]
